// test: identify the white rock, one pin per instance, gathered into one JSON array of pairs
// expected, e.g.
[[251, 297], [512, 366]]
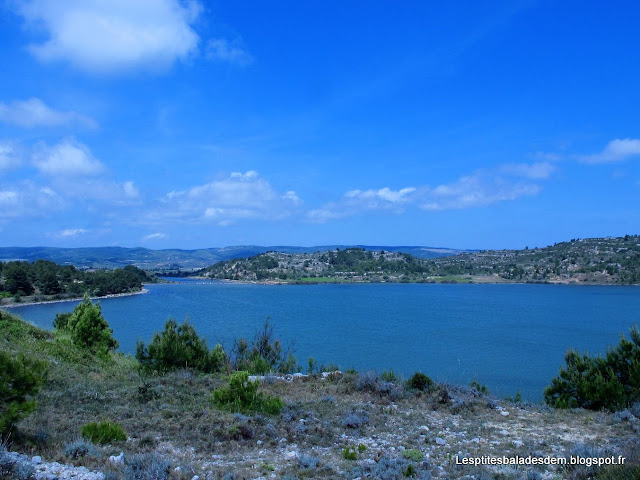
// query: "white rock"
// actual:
[[441, 441], [504, 413], [37, 460], [291, 455], [117, 459]]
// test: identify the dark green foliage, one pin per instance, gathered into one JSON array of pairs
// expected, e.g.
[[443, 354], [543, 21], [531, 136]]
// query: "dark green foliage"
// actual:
[[479, 387], [104, 432], [179, 346], [264, 355], [410, 471], [44, 277], [420, 381], [20, 380], [16, 278], [87, 327], [413, 454], [242, 396], [349, 453], [610, 382]]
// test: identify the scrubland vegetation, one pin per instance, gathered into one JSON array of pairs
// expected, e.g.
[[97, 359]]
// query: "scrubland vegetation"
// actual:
[[591, 261], [181, 409], [44, 280]]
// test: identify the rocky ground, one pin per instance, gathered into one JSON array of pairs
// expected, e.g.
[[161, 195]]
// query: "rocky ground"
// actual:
[[332, 426]]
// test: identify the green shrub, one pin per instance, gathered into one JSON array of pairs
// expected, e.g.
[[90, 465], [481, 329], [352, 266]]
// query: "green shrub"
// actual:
[[104, 432], [242, 396], [389, 376], [349, 453], [87, 327], [179, 346], [264, 355], [413, 455], [20, 380], [610, 382], [410, 471], [420, 381], [476, 385]]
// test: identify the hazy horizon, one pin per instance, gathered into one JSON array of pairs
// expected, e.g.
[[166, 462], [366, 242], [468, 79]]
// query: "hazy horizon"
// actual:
[[190, 124]]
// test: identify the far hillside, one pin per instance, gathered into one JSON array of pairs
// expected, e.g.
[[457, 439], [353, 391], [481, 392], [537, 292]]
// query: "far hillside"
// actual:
[[173, 260], [581, 261]]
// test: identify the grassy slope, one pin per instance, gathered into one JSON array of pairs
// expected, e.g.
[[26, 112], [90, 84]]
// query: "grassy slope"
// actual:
[[171, 416]]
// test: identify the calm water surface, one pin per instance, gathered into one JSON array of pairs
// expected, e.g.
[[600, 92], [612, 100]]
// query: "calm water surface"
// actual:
[[508, 337]]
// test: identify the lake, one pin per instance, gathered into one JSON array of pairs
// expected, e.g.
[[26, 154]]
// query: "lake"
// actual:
[[508, 337]]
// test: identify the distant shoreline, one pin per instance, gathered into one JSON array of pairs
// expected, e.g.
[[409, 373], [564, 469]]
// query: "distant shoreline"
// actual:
[[43, 302]]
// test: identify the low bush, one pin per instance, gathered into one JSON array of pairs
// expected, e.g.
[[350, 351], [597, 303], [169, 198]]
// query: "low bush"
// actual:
[[20, 380], [413, 455], [242, 396], [354, 420], [104, 432], [146, 466], [79, 448], [419, 381], [179, 346], [611, 382]]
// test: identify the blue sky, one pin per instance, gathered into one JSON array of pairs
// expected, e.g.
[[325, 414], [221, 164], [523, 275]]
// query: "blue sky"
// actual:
[[167, 123]]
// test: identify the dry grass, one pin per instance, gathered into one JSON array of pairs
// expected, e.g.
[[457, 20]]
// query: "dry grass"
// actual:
[[172, 416]]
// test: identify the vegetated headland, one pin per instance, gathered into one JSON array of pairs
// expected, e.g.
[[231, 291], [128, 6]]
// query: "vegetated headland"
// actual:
[[74, 408], [595, 261], [41, 281]]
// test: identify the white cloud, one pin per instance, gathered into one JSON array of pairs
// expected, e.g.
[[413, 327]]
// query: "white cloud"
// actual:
[[224, 51], [10, 155], [35, 113], [616, 151], [483, 187], [154, 236], [106, 36], [475, 190], [535, 171], [357, 201], [238, 196], [28, 199], [70, 233], [67, 158]]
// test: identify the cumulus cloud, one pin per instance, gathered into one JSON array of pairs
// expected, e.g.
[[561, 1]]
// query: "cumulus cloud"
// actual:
[[10, 155], [67, 158], [481, 188], [70, 233], [28, 199], [358, 201], [616, 151], [475, 190], [106, 36], [238, 196], [35, 113], [154, 236], [224, 51]]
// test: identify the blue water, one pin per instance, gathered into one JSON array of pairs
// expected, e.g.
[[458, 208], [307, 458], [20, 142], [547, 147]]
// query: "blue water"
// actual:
[[508, 337]]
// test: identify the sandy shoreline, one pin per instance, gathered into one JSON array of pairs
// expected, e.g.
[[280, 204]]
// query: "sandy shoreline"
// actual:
[[42, 302]]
